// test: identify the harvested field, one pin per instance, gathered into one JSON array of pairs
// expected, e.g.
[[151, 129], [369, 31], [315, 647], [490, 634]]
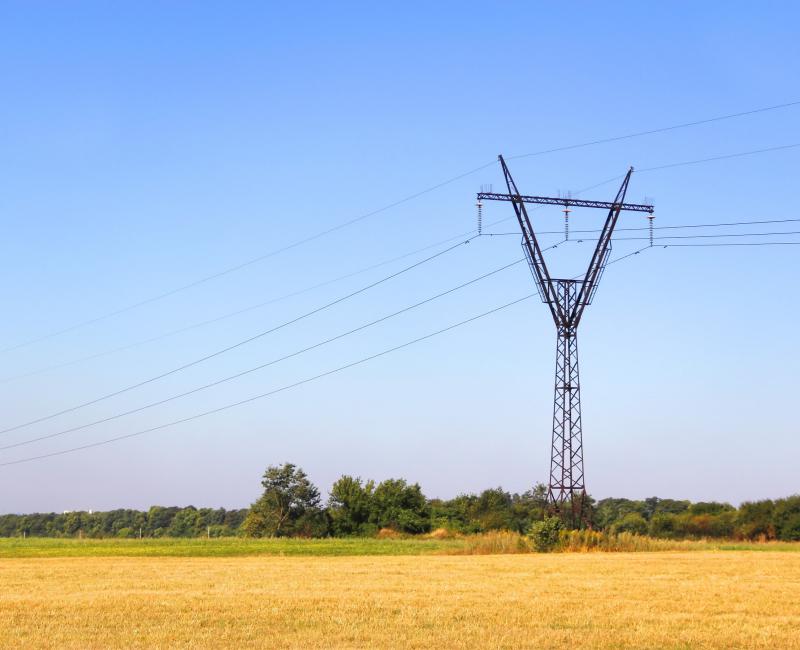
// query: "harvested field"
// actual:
[[600, 600]]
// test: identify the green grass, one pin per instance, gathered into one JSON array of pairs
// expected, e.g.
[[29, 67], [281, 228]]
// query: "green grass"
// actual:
[[234, 546], [221, 547]]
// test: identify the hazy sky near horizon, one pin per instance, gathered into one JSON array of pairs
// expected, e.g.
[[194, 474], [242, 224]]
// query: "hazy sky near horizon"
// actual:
[[144, 146]]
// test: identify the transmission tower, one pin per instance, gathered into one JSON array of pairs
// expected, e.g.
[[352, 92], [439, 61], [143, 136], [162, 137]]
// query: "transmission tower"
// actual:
[[567, 299]]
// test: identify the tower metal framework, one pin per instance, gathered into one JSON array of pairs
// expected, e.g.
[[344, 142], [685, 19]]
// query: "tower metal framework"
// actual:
[[567, 300]]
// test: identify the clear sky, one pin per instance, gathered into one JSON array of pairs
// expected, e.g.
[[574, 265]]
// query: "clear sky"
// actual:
[[144, 146]]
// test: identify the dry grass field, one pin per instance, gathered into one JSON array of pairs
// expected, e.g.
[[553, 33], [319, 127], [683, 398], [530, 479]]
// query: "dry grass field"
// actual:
[[595, 600]]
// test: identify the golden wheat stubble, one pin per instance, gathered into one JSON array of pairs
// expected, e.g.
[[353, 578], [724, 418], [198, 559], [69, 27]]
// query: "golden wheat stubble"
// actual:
[[609, 600]]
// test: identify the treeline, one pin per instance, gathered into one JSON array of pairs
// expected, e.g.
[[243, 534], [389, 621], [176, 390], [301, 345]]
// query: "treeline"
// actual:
[[291, 505], [155, 522], [669, 519]]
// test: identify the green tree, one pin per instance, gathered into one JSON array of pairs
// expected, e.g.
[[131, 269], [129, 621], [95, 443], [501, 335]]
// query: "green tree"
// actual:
[[455, 514], [492, 510], [664, 524], [290, 505], [787, 518], [528, 507], [159, 519], [756, 519], [349, 506], [400, 506], [633, 522], [709, 508], [185, 523], [609, 511]]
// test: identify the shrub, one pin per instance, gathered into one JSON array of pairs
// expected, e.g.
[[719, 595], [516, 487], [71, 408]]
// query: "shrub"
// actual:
[[545, 534], [583, 541], [496, 542], [442, 533]]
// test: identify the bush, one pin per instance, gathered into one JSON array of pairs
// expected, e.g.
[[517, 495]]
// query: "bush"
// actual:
[[583, 541], [496, 542], [442, 533], [545, 534]]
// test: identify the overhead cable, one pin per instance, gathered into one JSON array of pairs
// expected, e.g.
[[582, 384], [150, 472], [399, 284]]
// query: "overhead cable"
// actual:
[[238, 344], [410, 197], [267, 364]]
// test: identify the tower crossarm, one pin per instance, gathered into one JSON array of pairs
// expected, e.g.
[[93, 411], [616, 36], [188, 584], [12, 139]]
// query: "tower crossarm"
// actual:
[[566, 202], [533, 251], [600, 255]]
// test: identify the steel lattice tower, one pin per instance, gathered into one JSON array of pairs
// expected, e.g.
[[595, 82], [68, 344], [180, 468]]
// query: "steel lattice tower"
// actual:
[[567, 299]]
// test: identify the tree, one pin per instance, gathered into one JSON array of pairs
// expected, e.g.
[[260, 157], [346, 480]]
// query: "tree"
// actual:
[[663, 524], [787, 518], [455, 514], [709, 508], [528, 507], [185, 523], [610, 511], [492, 510], [400, 506], [290, 505], [756, 519], [633, 522], [159, 519], [349, 506]]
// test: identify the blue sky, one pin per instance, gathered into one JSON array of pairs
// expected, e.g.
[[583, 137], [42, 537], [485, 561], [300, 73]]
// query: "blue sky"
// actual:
[[146, 145]]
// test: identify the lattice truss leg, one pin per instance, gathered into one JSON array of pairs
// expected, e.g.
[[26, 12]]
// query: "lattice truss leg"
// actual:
[[566, 452]]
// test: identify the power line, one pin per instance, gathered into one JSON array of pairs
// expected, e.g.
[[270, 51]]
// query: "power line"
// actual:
[[269, 393], [289, 386], [238, 312], [470, 233], [723, 157], [299, 292], [653, 131], [716, 225], [240, 266], [239, 343], [266, 364], [410, 197], [624, 257], [676, 227], [735, 234], [764, 243], [152, 379], [249, 308]]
